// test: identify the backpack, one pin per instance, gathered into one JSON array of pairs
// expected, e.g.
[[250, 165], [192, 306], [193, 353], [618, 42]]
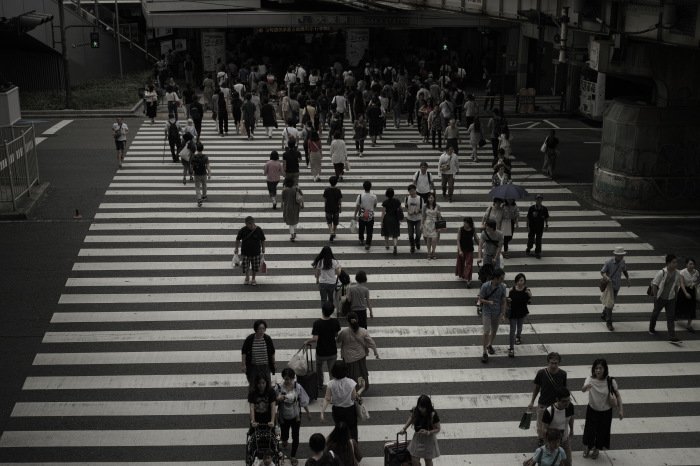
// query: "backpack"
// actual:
[[415, 177], [486, 273], [459, 98], [194, 113], [344, 278], [173, 132], [388, 73], [197, 163], [323, 102]]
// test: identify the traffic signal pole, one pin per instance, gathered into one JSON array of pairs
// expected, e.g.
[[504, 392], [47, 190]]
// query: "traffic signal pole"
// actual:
[[64, 54], [119, 39]]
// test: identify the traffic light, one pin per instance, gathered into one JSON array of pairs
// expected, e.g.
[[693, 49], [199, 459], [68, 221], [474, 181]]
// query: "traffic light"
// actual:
[[95, 40], [444, 47]]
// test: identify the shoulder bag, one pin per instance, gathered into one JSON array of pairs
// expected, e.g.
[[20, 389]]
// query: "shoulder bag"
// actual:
[[612, 398], [543, 149], [445, 166], [298, 362], [362, 413], [299, 196], [603, 284], [650, 289], [440, 224]]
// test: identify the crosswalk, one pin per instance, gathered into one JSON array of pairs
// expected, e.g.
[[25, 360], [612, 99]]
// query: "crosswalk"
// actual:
[[141, 364]]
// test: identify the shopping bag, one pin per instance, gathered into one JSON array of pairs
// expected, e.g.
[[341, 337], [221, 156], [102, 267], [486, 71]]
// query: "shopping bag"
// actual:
[[263, 265], [362, 413], [525, 420], [298, 362], [236, 261], [353, 226]]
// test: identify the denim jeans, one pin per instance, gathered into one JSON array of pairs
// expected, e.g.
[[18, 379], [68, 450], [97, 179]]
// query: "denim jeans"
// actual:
[[607, 312], [670, 306], [513, 332], [326, 290], [413, 232]]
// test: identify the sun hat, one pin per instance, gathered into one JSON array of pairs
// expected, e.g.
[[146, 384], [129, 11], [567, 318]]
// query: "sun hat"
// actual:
[[619, 251]]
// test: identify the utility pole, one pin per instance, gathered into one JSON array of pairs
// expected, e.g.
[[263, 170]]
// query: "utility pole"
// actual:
[[119, 39], [64, 53]]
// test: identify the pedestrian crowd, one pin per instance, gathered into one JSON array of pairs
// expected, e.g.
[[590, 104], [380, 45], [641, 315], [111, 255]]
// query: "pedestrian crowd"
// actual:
[[321, 102]]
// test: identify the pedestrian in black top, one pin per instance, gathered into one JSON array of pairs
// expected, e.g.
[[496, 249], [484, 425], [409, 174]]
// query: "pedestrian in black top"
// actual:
[[253, 239], [188, 96], [291, 160], [333, 205], [258, 355], [518, 299], [199, 167], [551, 152], [537, 224], [248, 113], [325, 331], [547, 382], [172, 133], [222, 113], [197, 113]]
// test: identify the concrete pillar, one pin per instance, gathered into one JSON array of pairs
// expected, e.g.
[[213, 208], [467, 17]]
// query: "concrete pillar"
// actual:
[[649, 157]]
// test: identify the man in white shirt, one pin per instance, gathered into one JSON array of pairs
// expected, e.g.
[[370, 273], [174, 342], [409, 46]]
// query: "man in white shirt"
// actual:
[[424, 182], [301, 74], [414, 209], [290, 132], [448, 168], [364, 206], [665, 287], [290, 79]]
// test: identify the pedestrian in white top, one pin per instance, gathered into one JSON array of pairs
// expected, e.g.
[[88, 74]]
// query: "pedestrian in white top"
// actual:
[[424, 182], [599, 413], [448, 168], [119, 132], [665, 287], [327, 269]]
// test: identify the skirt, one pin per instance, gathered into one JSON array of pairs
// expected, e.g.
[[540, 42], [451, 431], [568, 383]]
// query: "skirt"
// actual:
[[315, 159], [686, 307], [391, 227], [358, 369], [151, 109], [424, 446], [464, 265]]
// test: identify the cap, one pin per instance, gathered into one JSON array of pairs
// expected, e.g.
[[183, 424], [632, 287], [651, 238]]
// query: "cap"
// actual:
[[424, 164], [249, 219], [539, 196], [619, 251]]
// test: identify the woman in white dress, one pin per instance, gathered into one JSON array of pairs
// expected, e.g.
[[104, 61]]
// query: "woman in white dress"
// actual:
[[427, 425], [431, 212]]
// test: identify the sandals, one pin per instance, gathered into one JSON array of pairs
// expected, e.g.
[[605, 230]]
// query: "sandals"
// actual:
[[511, 353], [254, 283], [595, 453], [505, 255], [517, 340], [294, 461], [293, 237], [246, 282], [586, 451]]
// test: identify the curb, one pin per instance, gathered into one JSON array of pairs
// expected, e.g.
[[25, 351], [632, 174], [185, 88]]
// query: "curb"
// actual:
[[26, 204], [70, 113]]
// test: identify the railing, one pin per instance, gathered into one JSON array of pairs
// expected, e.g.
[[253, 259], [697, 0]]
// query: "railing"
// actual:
[[19, 167]]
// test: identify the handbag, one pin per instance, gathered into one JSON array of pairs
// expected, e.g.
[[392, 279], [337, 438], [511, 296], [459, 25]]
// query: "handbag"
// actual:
[[353, 226], [525, 420], [482, 142], [298, 362], [362, 413], [299, 196], [347, 166], [697, 293], [440, 224], [236, 261], [612, 398], [263, 265], [543, 149], [603, 284]]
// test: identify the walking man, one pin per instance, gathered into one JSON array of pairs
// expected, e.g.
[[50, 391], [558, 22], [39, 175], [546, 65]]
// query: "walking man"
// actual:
[[119, 131], [324, 332], [452, 136], [253, 239], [414, 209], [448, 168], [612, 272], [491, 244], [172, 132], [537, 223], [248, 110], [339, 155], [364, 206], [333, 205], [199, 166], [492, 297], [197, 113], [291, 160], [424, 182], [547, 382], [665, 287], [560, 416]]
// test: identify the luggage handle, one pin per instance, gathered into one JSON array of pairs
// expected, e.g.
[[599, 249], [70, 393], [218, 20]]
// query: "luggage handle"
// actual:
[[309, 357], [405, 439]]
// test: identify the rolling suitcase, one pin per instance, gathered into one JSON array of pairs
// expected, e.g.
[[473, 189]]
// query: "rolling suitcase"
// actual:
[[396, 453], [310, 381]]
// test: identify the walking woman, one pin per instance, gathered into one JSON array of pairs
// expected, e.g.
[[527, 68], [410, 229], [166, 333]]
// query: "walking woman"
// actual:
[[258, 354], [466, 239], [327, 271], [315, 154], [343, 446], [273, 171], [518, 299], [391, 225], [686, 304], [171, 97], [551, 151], [511, 215], [500, 177], [208, 91], [495, 213], [341, 393], [236, 110], [599, 413], [151, 98], [426, 424], [475, 135], [291, 397], [355, 343], [359, 134], [263, 403], [431, 212], [269, 117], [290, 206]]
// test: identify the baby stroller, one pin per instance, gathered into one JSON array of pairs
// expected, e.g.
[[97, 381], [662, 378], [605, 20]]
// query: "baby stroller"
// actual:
[[259, 441], [485, 274]]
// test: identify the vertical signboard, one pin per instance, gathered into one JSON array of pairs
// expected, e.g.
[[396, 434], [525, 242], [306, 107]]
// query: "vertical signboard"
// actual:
[[213, 49], [356, 42]]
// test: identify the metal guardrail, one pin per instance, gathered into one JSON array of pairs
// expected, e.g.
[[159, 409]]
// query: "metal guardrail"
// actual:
[[19, 167]]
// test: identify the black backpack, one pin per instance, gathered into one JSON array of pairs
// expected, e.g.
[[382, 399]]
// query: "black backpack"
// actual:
[[198, 166], [459, 98], [194, 113], [173, 132]]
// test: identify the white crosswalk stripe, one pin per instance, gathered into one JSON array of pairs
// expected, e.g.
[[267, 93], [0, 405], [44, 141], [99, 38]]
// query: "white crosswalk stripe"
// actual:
[[142, 359]]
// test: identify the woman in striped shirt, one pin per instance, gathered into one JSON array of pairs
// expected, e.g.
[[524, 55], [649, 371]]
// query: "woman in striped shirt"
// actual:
[[258, 354]]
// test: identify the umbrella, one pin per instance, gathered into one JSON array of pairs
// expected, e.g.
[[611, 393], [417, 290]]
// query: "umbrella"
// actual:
[[509, 191]]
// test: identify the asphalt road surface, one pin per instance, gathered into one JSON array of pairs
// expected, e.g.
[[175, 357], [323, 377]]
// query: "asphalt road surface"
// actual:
[[122, 330]]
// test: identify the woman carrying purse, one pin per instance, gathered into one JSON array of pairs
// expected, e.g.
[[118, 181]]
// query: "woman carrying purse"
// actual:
[[291, 397]]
